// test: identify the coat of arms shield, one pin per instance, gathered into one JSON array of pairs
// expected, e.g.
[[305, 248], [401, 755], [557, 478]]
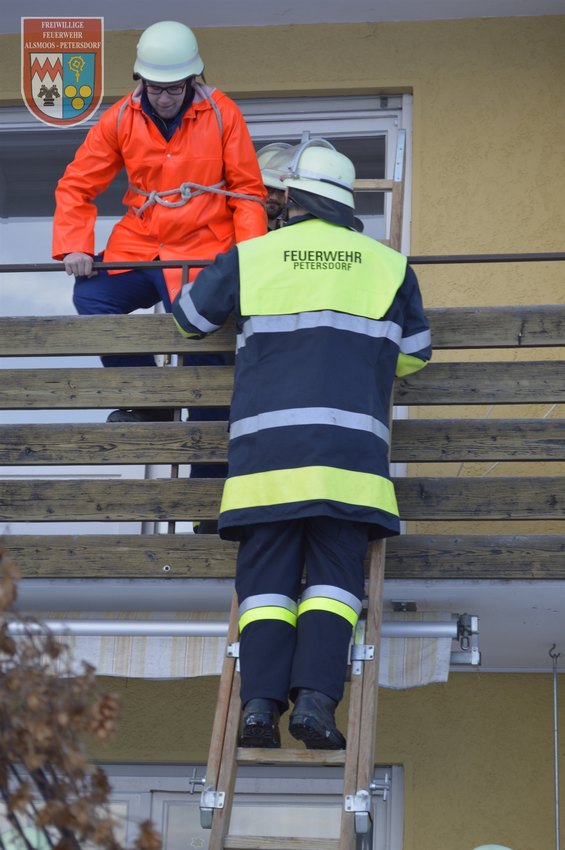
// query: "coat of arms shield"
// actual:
[[62, 68]]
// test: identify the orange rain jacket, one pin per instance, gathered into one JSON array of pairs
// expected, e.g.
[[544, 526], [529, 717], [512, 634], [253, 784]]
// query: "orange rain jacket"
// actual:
[[198, 152]]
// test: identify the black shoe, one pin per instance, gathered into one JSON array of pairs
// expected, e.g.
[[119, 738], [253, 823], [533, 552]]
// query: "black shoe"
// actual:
[[206, 526], [260, 724], [312, 721], [136, 414]]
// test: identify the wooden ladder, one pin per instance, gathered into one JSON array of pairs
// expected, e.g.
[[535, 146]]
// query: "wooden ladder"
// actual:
[[358, 757]]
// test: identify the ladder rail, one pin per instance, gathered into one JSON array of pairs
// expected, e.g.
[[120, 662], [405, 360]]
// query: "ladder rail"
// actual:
[[371, 665], [228, 770], [361, 731], [225, 689], [352, 753]]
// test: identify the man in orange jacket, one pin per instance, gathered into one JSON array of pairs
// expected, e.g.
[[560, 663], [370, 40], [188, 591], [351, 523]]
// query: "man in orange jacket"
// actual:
[[194, 190]]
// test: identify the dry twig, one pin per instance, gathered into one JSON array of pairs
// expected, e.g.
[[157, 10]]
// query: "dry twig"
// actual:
[[46, 709]]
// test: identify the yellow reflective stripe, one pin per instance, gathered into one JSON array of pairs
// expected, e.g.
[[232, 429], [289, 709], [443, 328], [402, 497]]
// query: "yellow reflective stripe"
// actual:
[[185, 333], [269, 612], [407, 364], [328, 483], [321, 603]]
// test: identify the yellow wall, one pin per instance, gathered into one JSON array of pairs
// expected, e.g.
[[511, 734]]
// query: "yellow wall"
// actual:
[[477, 751], [489, 120]]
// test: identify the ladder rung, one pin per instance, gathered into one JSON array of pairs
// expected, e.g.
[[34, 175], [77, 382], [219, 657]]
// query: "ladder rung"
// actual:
[[240, 842], [260, 755], [369, 185]]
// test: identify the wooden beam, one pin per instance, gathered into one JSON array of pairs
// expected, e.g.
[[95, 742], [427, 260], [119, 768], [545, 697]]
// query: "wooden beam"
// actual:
[[366, 184], [484, 383], [122, 556], [444, 440], [476, 556], [199, 556], [40, 336], [266, 842], [70, 389], [435, 440], [498, 327], [114, 443], [185, 499], [211, 386], [452, 327], [110, 500], [470, 499]]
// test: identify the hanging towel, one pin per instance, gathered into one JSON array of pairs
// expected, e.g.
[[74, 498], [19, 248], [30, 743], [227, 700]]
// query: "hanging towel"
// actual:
[[405, 662], [411, 662]]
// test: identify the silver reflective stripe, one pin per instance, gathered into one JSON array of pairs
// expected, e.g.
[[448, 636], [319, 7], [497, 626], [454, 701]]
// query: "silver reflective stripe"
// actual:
[[187, 305], [264, 600], [417, 342], [330, 591], [309, 416], [320, 319]]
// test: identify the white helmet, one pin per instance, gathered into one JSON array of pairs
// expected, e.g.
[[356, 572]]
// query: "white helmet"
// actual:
[[167, 52], [273, 161], [318, 168], [492, 847]]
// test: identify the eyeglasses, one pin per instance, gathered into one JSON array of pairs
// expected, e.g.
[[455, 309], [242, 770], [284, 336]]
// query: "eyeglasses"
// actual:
[[158, 90]]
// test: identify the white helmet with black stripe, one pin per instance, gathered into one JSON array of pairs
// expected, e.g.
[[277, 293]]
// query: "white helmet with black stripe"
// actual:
[[317, 167]]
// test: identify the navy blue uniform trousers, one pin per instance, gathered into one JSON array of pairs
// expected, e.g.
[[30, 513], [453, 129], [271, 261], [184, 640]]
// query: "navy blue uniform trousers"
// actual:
[[106, 294], [276, 658]]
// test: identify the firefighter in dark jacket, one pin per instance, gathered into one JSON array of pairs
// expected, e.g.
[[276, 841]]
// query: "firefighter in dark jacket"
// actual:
[[326, 319]]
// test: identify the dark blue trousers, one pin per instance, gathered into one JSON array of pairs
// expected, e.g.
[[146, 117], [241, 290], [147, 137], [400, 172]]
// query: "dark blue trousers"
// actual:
[[276, 658], [106, 294]]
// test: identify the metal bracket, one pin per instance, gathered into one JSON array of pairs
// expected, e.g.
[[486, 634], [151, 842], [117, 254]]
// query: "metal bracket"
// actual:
[[470, 656], [467, 625], [195, 780], [380, 786], [359, 805], [232, 650], [361, 652], [399, 156], [468, 637], [209, 801]]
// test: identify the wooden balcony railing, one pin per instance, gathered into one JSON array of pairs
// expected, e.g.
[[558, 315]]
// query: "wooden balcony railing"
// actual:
[[467, 525]]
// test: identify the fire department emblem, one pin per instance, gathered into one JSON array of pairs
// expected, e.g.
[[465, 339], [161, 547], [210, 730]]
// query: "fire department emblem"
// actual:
[[62, 68]]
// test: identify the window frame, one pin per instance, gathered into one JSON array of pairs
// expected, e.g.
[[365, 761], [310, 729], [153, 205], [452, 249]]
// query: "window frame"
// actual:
[[154, 789]]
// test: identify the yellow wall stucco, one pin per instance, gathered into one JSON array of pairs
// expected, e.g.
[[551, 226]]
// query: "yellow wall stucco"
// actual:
[[477, 751]]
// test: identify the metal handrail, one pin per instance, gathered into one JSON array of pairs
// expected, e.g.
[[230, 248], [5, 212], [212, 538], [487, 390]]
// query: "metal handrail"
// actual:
[[486, 258], [153, 264], [432, 259], [209, 628]]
